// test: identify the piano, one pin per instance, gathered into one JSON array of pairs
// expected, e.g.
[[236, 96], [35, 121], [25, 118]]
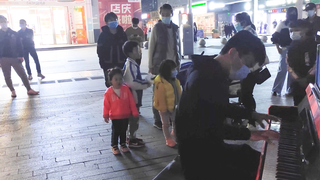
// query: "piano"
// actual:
[[296, 155]]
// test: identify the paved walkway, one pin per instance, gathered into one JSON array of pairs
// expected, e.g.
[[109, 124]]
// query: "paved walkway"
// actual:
[[60, 134]]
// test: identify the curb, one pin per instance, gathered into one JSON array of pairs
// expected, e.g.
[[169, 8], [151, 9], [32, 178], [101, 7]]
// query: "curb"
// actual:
[[64, 47]]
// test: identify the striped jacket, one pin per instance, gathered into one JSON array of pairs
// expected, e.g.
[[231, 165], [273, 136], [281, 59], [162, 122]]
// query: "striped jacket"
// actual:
[[133, 79]]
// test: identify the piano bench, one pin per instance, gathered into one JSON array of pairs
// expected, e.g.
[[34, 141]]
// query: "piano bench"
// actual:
[[171, 171]]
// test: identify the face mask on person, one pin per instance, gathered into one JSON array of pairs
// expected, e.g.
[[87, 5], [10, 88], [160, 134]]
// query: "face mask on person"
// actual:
[[295, 35], [238, 26], [311, 13], [23, 25], [239, 74], [4, 25], [113, 24], [174, 73], [166, 20]]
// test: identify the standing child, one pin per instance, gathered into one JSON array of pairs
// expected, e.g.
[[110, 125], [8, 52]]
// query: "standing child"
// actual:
[[118, 106], [166, 98], [132, 78]]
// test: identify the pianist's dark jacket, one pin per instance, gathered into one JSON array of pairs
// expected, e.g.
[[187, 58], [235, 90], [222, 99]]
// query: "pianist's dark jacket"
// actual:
[[203, 107]]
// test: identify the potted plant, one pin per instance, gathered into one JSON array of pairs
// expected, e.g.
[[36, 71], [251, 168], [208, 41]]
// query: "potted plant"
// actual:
[[215, 33]]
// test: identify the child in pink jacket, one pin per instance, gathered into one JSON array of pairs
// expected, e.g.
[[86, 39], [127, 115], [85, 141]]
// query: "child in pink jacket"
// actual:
[[118, 106]]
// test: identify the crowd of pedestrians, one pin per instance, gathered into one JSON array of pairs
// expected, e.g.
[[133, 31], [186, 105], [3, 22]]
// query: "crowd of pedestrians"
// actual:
[[12, 53], [197, 114]]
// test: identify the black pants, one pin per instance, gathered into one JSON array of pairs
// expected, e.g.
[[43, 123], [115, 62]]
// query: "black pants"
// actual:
[[34, 55], [106, 78], [247, 86], [298, 91], [119, 129], [229, 162]]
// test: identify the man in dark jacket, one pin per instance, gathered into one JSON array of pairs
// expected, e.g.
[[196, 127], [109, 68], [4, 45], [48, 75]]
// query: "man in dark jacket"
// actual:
[[311, 9], [110, 44], [301, 58], [26, 36], [11, 55], [204, 106]]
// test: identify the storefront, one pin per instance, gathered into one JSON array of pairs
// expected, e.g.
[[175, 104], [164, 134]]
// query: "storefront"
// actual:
[[53, 22], [205, 21], [272, 12]]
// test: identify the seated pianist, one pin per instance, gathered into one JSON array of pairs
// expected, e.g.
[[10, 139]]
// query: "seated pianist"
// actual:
[[204, 106]]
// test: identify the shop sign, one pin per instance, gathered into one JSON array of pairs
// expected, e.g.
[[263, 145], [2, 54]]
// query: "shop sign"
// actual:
[[134, 0], [124, 9], [123, 12], [280, 10]]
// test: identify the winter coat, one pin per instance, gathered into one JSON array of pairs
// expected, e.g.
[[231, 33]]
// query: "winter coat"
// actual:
[[158, 45], [132, 78], [10, 44], [164, 96], [116, 107], [109, 48]]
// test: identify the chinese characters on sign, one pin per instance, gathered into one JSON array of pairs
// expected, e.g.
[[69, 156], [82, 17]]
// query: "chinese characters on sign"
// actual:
[[124, 13]]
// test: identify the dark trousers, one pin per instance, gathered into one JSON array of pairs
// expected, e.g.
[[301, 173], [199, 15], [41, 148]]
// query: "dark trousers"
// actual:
[[298, 91], [247, 86], [229, 162], [34, 55], [106, 78], [119, 129]]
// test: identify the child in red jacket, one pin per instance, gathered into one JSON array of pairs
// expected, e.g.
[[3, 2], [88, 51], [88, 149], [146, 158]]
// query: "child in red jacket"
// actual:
[[118, 106]]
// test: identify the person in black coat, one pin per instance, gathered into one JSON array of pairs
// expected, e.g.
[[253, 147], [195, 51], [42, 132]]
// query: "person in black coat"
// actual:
[[26, 36], [203, 107], [110, 42], [301, 58]]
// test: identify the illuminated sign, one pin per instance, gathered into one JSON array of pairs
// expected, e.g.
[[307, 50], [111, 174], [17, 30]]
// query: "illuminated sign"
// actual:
[[274, 10], [197, 5]]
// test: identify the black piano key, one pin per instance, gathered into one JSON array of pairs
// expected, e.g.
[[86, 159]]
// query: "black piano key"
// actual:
[[291, 175]]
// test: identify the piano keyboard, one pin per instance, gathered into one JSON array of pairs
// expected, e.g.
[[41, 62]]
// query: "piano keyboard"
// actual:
[[283, 159]]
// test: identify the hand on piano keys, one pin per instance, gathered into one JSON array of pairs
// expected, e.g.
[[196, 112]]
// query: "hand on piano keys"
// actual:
[[259, 117], [266, 135]]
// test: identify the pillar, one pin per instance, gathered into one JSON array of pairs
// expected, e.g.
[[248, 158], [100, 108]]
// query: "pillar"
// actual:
[[299, 5], [255, 12]]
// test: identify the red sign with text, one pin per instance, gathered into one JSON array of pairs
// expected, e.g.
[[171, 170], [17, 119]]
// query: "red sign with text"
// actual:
[[123, 9]]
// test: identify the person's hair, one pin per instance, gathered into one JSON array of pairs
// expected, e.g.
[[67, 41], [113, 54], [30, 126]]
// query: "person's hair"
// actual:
[[166, 6], [165, 69], [289, 11], [3, 17], [245, 42], [109, 16], [244, 19], [113, 72], [302, 24], [128, 47], [22, 20], [135, 21]]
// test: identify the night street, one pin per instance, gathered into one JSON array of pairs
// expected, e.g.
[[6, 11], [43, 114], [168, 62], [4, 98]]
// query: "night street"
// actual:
[[60, 134]]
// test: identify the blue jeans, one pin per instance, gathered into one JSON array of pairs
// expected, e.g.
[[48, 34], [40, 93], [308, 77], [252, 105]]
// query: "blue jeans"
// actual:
[[34, 55], [282, 73]]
